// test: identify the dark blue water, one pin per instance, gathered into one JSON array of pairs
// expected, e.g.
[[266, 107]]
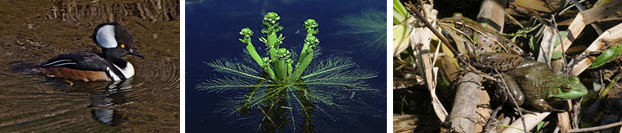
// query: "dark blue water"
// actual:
[[212, 33]]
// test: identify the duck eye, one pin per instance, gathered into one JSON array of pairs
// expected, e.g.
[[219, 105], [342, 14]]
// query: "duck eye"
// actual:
[[567, 88], [122, 45]]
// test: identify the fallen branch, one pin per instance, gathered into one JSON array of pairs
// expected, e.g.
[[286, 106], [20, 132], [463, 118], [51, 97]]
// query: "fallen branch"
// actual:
[[463, 115]]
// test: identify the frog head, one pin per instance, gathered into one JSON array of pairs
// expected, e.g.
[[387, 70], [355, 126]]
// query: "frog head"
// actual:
[[570, 88], [457, 22]]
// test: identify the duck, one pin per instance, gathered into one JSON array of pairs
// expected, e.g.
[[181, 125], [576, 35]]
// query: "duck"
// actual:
[[115, 41]]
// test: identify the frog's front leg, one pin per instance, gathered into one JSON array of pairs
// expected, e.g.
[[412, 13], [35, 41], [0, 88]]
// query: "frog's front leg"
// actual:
[[541, 104], [469, 48]]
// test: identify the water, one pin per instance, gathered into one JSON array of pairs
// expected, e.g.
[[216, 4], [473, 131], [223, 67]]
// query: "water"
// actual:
[[38, 103], [34, 103], [212, 33]]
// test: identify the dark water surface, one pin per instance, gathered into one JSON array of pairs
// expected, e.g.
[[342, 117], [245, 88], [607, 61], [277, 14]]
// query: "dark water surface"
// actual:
[[33, 31], [212, 33]]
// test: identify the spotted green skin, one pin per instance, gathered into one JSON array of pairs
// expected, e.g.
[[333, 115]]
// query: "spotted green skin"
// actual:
[[487, 47], [532, 84]]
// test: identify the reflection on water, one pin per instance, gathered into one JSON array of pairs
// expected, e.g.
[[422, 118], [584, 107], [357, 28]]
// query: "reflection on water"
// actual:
[[103, 104], [286, 114], [369, 27], [32, 103], [35, 103], [276, 119]]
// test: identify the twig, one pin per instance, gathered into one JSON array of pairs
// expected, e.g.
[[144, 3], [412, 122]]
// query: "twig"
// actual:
[[431, 27], [595, 128], [575, 119], [491, 118], [531, 12], [562, 44], [403, 101], [515, 21]]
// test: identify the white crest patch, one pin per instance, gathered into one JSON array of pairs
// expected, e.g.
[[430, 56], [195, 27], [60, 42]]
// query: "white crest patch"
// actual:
[[105, 37]]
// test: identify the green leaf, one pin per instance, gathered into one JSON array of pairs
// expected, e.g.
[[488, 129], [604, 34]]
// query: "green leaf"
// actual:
[[607, 56], [563, 34], [540, 124], [556, 54]]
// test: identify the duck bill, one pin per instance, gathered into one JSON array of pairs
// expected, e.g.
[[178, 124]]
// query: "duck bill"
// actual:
[[132, 52]]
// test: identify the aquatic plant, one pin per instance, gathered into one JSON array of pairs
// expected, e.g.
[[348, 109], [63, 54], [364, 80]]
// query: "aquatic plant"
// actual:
[[282, 87], [370, 27]]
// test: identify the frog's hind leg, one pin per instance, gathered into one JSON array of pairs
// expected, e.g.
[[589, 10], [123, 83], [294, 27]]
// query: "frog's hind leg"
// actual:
[[499, 61], [513, 48], [530, 64]]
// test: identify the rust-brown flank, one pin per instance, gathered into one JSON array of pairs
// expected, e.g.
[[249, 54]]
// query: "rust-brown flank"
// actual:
[[75, 74]]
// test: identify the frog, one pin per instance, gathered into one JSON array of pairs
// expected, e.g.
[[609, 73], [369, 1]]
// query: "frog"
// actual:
[[487, 47], [533, 84]]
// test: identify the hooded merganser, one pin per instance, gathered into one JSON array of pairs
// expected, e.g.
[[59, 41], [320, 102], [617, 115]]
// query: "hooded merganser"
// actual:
[[115, 41]]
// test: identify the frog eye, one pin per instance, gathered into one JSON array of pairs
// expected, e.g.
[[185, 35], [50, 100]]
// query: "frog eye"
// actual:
[[459, 24], [567, 88], [468, 32]]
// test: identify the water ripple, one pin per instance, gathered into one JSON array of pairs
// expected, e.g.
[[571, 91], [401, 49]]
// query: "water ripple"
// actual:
[[34, 103]]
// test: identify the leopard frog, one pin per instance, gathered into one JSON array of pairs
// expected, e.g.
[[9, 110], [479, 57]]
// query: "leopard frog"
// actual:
[[487, 47]]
